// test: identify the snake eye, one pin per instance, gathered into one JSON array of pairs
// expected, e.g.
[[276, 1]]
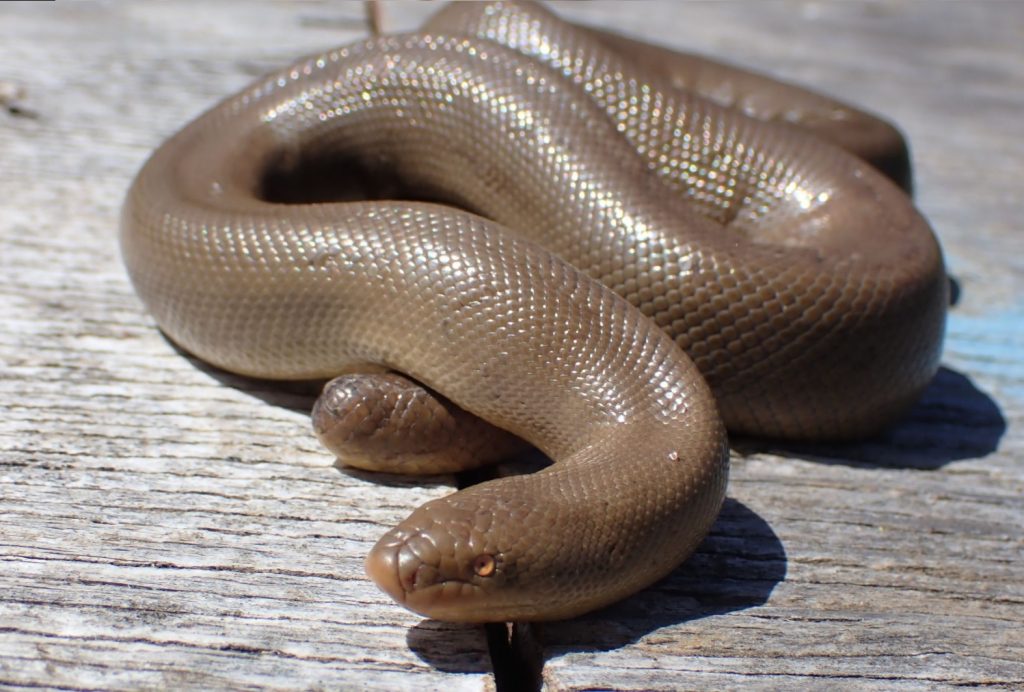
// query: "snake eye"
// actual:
[[484, 565]]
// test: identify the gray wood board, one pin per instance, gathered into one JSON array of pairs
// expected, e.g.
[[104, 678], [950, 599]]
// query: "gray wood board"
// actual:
[[164, 525]]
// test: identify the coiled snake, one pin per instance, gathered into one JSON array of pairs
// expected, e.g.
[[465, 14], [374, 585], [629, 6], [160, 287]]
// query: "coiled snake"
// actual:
[[608, 223]]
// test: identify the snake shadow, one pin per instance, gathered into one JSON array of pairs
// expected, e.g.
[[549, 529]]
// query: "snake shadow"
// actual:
[[294, 395], [954, 420], [737, 566]]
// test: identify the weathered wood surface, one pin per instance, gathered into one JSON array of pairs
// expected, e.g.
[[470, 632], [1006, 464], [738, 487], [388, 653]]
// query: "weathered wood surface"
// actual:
[[165, 526]]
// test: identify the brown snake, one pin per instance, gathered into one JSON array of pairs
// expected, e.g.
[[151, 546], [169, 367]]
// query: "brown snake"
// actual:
[[806, 289]]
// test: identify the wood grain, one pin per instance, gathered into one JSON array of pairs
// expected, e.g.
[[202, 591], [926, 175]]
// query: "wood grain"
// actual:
[[166, 526]]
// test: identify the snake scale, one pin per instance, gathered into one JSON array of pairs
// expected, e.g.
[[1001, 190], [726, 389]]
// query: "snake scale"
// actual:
[[553, 229]]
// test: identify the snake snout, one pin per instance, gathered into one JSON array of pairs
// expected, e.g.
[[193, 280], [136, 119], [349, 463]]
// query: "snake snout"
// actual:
[[402, 564], [382, 566]]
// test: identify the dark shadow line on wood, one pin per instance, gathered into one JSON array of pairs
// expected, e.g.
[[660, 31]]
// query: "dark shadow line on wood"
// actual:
[[516, 657], [294, 395], [393, 480]]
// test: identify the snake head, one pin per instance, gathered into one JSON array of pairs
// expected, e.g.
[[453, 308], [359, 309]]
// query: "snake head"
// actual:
[[455, 559], [552, 544]]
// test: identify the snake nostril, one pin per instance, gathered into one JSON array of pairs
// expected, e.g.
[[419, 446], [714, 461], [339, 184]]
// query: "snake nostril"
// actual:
[[424, 576]]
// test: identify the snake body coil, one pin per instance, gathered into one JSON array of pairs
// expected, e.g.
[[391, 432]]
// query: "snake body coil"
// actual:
[[807, 291]]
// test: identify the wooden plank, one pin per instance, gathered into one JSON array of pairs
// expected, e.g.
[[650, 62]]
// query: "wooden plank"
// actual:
[[166, 526]]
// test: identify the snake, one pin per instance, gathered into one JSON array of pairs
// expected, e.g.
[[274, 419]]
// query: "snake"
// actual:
[[614, 254]]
